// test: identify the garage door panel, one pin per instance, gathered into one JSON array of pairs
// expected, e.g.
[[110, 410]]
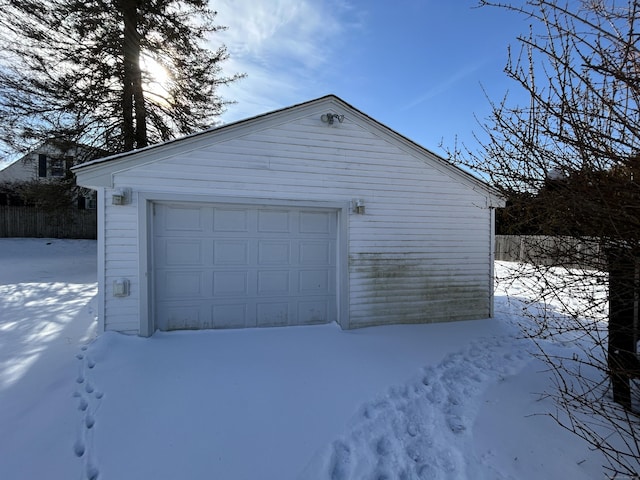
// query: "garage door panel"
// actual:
[[314, 253], [227, 283], [230, 220], [231, 252], [274, 282], [180, 317], [181, 284], [183, 252], [183, 218], [273, 221], [230, 316], [312, 312], [231, 266], [313, 282], [316, 222], [274, 252], [272, 314]]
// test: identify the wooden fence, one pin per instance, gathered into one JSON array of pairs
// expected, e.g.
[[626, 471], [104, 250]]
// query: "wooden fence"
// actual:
[[549, 250], [34, 222]]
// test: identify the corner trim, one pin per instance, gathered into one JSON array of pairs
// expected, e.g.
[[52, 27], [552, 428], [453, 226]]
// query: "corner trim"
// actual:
[[492, 260], [145, 249], [101, 259]]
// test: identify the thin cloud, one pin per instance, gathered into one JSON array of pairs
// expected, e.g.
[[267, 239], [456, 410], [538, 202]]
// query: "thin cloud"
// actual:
[[284, 47], [443, 86]]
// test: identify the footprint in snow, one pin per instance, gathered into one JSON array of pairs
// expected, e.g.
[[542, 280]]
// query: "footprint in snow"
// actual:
[[340, 461], [89, 421], [83, 404], [78, 448], [92, 472], [88, 403], [403, 434]]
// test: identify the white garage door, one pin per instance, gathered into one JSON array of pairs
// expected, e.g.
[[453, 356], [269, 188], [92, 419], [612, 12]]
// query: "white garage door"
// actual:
[[233, 266]]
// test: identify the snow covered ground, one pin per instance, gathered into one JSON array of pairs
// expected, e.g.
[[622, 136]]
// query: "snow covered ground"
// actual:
[[441, 401]]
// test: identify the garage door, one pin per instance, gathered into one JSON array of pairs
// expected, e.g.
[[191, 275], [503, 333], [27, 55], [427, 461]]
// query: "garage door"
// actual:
[[222, 266]]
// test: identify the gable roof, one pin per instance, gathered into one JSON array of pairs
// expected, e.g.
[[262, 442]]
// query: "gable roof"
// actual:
[[99, 172], [54, 147]]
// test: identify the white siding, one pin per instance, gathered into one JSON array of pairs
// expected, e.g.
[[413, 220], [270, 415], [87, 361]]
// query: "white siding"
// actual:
[[421, 252], [22, 170], [121, 262]]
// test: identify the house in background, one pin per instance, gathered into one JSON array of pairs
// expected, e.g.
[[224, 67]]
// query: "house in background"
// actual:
[[310, 214], [50, 161]]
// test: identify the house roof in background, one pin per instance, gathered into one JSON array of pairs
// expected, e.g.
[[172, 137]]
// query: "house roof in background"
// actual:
[[15, 157]]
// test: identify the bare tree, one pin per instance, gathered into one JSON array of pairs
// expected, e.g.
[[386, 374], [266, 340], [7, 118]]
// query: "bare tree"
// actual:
[[568, 161]]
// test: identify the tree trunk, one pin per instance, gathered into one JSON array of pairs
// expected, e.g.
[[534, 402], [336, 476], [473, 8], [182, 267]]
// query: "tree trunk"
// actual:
[[623, 362], [134, 110]]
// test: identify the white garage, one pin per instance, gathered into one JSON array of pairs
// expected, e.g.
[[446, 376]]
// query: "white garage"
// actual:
[[314, 213], [233, 266]]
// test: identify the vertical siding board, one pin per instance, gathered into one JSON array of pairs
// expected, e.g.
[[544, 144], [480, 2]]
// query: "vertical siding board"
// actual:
[[419, 254]]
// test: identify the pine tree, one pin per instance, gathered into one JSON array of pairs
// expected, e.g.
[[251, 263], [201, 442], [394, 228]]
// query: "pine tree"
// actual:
[[87, 71]]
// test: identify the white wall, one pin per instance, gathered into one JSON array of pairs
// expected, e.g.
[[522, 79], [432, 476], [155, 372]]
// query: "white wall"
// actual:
[[421, 252], [21, 170]]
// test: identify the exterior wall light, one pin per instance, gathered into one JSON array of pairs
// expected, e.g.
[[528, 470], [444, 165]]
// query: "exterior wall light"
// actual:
[[121, 196], [358, 206], [121, 288], [330, 117]]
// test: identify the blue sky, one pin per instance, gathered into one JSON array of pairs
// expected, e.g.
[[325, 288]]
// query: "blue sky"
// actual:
[[418, 66]]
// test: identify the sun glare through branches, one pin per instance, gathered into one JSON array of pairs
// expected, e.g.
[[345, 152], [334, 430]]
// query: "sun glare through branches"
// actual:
[[156, 80]]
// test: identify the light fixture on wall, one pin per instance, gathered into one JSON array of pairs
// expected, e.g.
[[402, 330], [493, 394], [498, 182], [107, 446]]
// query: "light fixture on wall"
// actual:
[[121, 196], [358, 206], [121, 288], [330, 117]]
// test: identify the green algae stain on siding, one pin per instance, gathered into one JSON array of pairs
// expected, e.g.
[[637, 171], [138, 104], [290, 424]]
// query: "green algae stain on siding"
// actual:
[[406, 288]]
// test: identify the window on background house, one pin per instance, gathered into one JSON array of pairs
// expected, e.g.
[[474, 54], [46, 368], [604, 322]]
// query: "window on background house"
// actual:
[[88, 201], [91, 202], [56, 167]]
